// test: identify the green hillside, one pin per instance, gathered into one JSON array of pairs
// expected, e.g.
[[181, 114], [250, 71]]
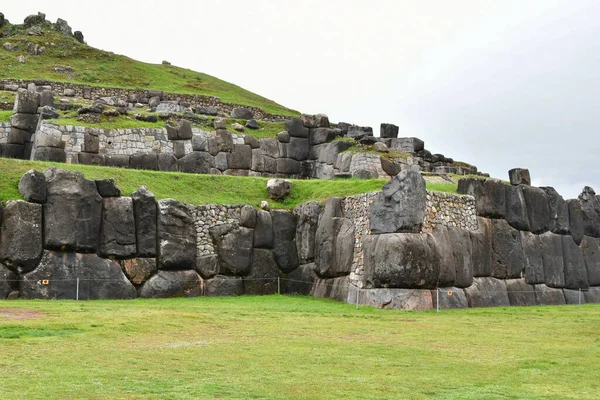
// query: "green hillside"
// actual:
[[67, 60]]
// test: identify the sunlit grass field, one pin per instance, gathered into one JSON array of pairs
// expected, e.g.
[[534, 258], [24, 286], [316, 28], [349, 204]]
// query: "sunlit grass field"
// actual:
[[287, 347]]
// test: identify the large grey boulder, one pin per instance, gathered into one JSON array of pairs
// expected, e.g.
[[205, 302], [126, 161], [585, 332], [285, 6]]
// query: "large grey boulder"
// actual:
[[547, 296], [224, 286], [100, 278], [592, 295], [26, 101], [481, 247], [181, 131], [26, 122], [322, 135], [296, 128], [72, 212], [108, 187], [553, 260], [62, 26], [263, 275], [460, 242], [288, 166], [21, 235], [516, 212], [449, 298], [307, 219], [590, 249], [172, 284], [198, 162], [447, 275], [208, 266], [9, 282], [176, 236], [507, 251], [536, 203], [487, 292], [51, 154], [490, 197], [558, 212], [269, 147], [139, 270], [574, 296], [279, 189], [590, 212], [242, 113], [234, 247], [388, 131], [407, 144], [400, 207], [358, 132], [575, 220], [32, 186], [520, 293], [145, 161], [334, 288], [263, 231], [392, 299], [532, 257], [145, 214], [284, 244], [117, 233], [401, 260], [329, 153], [334, 247], [241, 157], [297, 149], [300, 280], [574, 265], [519, 176]]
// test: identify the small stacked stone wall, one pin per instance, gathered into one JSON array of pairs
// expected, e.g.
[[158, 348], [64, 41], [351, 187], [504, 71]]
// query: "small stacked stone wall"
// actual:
[[208, 216], [450, 210], [67, 89]]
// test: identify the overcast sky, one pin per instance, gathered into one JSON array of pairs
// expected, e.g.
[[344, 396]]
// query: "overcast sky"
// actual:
[[499, 84]]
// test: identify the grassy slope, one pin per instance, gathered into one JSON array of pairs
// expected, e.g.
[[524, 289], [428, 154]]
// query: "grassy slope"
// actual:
[[280, 347], [100, 68], [200, 189]]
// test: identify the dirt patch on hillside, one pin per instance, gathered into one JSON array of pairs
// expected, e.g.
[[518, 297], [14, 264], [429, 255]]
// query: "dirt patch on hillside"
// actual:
[[20, 314]]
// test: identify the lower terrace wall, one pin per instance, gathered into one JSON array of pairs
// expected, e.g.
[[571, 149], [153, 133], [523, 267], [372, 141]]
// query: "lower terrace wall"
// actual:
[[66, 89]]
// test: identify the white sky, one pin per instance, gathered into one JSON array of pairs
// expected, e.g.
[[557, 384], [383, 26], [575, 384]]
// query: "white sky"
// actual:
[[499, 84]]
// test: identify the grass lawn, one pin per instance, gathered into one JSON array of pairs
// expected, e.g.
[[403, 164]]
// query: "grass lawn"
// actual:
[[70, 61], [202, 189], [283, 347]]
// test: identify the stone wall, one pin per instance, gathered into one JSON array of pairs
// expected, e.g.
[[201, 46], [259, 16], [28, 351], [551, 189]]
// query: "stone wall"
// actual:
[[449, 210], [66, 89]]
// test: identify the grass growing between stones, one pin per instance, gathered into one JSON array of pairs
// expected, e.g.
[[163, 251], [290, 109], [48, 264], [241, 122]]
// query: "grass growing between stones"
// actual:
[[283, 347], [5, 116]]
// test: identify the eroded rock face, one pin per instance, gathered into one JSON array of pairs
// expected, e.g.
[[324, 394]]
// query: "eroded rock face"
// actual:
[[402, 260], [300, 280], [21, 235], [224, 286], [8, 282], [447, 275], [145, 216], [263, 232], [590, 212], [516, 212], [462, 252], [400, 207], [32, 186], [507, 251], [172, 284], [284, 244], [532, 257], [139, 270], [449, 298], [263, 275], [574, 265], [575, 220], [547, 296], [536, 203], [100, 278], [394, 299], [487, 292], [234, 247], [519, 176], [590, 249], [117, 234], [176, 236], [558, 212], [307, 218], [520, 293], [335, 246], [72, 212], [481, 246], [552, 258]]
